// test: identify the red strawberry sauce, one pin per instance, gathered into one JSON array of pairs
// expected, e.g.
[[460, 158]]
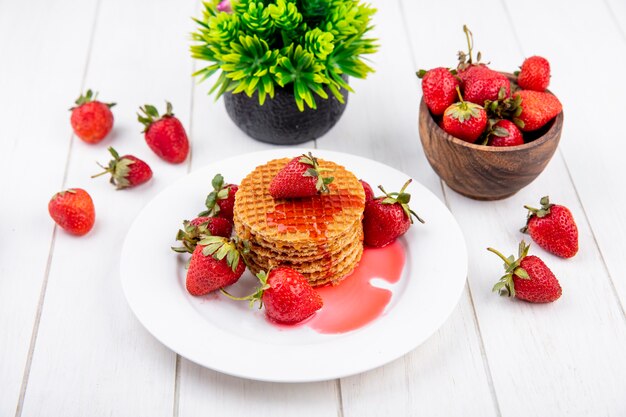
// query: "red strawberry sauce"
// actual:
[[355, 302]]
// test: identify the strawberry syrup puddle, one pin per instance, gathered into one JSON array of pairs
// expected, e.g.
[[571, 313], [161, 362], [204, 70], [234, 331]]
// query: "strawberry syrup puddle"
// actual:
[[355, 303]]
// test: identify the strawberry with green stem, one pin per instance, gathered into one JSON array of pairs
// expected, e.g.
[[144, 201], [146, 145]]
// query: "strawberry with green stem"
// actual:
[[465, 120], [198, 229], [387, 218], [91, 120], [286, 294], [301, 177], [527, 278], [221, 201], [215, 263], [165, 134], [126, 171], [553, 228]]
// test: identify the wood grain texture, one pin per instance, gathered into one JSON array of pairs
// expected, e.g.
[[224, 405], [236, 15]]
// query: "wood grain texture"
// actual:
[[92, 356], [486, 172], [34, 137]]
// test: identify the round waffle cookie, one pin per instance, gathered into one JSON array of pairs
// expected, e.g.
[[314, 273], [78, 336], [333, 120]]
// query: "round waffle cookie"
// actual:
[[320, 236]]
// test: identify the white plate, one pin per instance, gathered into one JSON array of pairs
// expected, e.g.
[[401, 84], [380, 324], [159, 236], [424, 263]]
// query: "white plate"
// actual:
[[228, 337]]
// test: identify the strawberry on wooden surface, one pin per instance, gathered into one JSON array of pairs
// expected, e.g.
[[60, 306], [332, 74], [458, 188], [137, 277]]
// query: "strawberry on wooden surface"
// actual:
[[553, 228], [527, 278], [199, 228], [301, 177], [538, 108], [534, 74], [465, 120], [92, 120], [438, 88], [215, 263], [165, 135], [73, 210], [126, 171], [221, 201], [387, 218], [286, 294]]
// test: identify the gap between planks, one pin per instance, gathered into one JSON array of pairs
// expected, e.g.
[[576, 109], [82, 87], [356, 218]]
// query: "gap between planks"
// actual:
[[44, 285]]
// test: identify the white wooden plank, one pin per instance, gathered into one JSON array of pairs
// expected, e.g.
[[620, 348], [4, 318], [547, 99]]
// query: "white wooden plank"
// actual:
[[38, 82], [92, 356], [593, 149], [558, 359], [381, 123], [617, 9]]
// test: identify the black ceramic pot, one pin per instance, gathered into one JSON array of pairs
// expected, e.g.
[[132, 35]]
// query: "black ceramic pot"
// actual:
[[279, 121]]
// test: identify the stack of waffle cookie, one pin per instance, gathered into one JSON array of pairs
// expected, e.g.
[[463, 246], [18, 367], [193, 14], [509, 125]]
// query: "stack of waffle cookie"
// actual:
[[320, 236]]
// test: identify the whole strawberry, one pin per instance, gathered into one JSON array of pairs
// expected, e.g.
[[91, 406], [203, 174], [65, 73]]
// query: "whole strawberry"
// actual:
[[534, 74], [465, 120], [538, 108], [91, 119], [369, 193], [439, 89], [73, 210], [126, 171], [199, 228], [301, 177], [485, 85], [527, 278], [387, 218], [505, 133], [221, 201], [553, 228], [165, 135], [214, 264]]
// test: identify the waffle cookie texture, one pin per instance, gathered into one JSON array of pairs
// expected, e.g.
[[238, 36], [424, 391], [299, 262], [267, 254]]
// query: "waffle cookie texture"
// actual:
[[320, 236]]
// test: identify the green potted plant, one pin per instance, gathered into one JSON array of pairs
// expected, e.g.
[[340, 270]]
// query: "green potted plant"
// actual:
[[282, 66]]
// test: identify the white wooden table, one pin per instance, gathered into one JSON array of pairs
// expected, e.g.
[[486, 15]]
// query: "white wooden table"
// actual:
[[69, 344]]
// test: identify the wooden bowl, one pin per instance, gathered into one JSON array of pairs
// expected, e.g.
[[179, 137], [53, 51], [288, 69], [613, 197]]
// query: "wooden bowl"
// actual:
[[487, 172]]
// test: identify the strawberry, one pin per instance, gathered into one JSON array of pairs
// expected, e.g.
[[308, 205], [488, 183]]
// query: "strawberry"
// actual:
[[505, 133], [286, 294], [221, 201], [527, 278], [538, 108], [534, 74], [553, 228], [214, 264], [387, 218], [165, 135], [439, 89], [485, 85], [126, 171], [199, 228], [73, 210], [301, 177], [472, 71], [91, 119], [465, 120], [369, 193]]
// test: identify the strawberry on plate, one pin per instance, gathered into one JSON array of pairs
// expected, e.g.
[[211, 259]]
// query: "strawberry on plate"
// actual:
[[126, 171], [215, 263], [301, 177], [73, 210], [92, 120], [199, 228], [286, 294], [221, 201], [527, 278], [387, 218], [369, 193], [553, 228], [165, 135]]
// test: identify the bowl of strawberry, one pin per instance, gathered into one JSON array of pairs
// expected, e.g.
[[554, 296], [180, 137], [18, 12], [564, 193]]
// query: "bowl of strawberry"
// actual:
[[488, 133]]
